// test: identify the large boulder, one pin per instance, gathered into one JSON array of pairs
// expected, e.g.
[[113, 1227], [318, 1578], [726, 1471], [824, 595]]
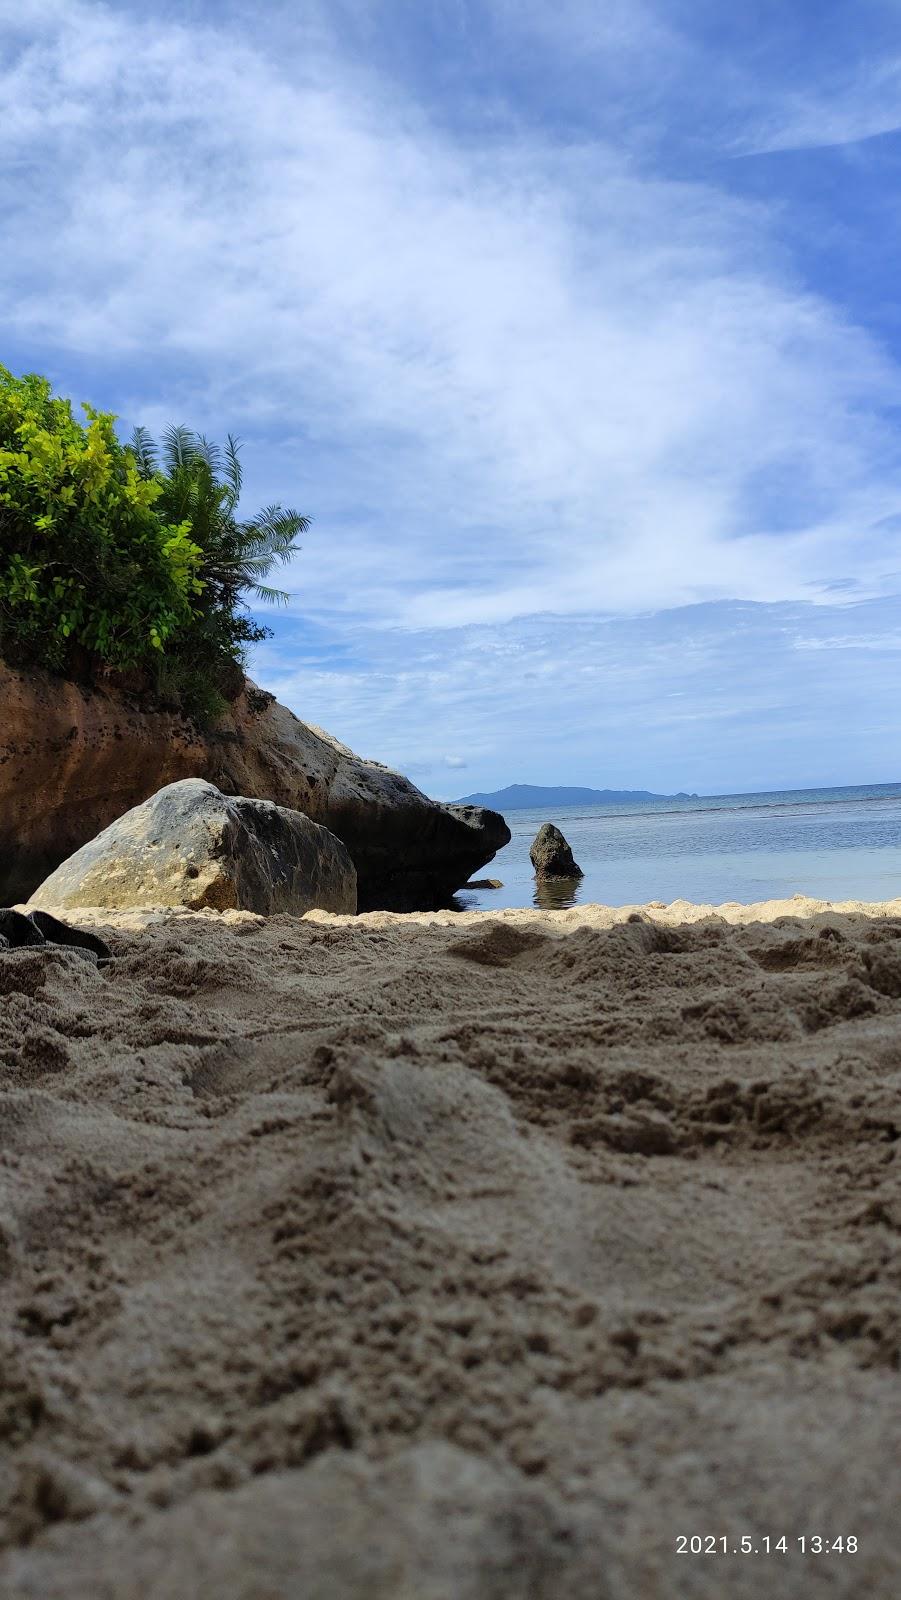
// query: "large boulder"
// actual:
[[72, 759], [189, 845], [551, 856]]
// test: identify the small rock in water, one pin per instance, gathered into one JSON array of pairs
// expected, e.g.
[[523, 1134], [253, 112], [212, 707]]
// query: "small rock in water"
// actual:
[[484, 883], [551, 856]]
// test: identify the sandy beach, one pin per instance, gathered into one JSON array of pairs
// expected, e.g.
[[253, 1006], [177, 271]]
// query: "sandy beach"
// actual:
[[456, 1257]]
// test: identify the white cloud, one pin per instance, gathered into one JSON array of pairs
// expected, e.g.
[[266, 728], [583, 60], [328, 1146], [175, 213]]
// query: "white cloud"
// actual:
[[508, 377], [581, 29], [864, 103], [713, 698]]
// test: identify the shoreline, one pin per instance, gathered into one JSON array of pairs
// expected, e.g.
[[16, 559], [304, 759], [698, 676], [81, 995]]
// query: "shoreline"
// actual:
[[732, 913]]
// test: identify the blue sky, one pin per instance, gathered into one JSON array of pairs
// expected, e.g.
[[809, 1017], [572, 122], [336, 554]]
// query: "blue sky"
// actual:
[[575, 326]]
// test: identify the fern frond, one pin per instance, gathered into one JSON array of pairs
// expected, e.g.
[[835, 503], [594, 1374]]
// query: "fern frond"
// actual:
[[258, 565], [286, 524], [233, 470], [144, 450], [274, 532], [208, 452], [179, 447], [272, 597]]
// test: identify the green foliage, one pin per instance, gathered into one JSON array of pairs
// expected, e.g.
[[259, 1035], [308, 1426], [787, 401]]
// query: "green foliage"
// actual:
[[86, 559], [200, 484], [120, 557]]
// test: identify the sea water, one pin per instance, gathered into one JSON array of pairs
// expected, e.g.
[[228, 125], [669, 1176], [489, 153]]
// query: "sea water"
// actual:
[[831, 844]]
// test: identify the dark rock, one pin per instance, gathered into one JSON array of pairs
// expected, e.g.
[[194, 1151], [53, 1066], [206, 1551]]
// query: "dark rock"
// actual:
[[19, 930], [56, 932], [189, 845], [551, 856]]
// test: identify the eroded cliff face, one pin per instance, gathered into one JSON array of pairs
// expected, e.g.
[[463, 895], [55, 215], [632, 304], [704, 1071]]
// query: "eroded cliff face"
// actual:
[[72, 759]]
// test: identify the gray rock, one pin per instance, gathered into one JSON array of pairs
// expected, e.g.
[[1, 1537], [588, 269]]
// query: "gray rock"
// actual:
[[551, 856], [189, 845]]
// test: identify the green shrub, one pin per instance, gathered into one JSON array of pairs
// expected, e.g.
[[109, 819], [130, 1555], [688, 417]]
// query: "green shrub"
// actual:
[[115, 558], [86, 558]]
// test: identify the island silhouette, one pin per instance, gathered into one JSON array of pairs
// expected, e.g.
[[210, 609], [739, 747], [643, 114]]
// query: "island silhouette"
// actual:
[[528, 796]]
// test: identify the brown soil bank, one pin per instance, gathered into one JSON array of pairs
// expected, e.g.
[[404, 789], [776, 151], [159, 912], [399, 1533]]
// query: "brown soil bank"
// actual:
[[453, 1258], [73, 759]]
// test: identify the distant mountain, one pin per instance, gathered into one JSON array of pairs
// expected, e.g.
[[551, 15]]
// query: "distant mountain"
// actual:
[[528, 796]]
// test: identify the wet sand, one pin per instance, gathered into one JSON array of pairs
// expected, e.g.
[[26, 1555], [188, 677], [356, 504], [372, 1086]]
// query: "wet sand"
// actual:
[[453, 1257]]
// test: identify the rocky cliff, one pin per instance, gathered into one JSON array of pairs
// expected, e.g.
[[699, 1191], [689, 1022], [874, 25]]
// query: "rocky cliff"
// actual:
[[72, 759]]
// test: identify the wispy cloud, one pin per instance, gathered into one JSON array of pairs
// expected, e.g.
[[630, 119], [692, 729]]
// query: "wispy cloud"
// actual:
[[534, 364], [710, 698], [860, 104]]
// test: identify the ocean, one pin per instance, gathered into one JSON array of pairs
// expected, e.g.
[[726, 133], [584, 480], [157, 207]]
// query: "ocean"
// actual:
[[832, 844]]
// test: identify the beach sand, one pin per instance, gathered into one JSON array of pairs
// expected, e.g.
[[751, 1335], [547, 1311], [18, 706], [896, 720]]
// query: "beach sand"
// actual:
[[453, 1257]]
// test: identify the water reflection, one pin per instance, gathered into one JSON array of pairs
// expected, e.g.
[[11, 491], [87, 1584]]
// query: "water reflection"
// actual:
[[556, 894], [462, 902], [548, 894]]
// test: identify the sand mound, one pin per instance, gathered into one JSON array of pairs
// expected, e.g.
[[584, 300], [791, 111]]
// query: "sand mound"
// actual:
[[452, 1256]]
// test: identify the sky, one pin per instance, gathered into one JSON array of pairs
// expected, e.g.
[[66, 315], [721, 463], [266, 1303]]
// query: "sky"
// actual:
[[575, 325]]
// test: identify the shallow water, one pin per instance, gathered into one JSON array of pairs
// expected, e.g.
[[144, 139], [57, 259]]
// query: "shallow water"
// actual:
[[832, 844]]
